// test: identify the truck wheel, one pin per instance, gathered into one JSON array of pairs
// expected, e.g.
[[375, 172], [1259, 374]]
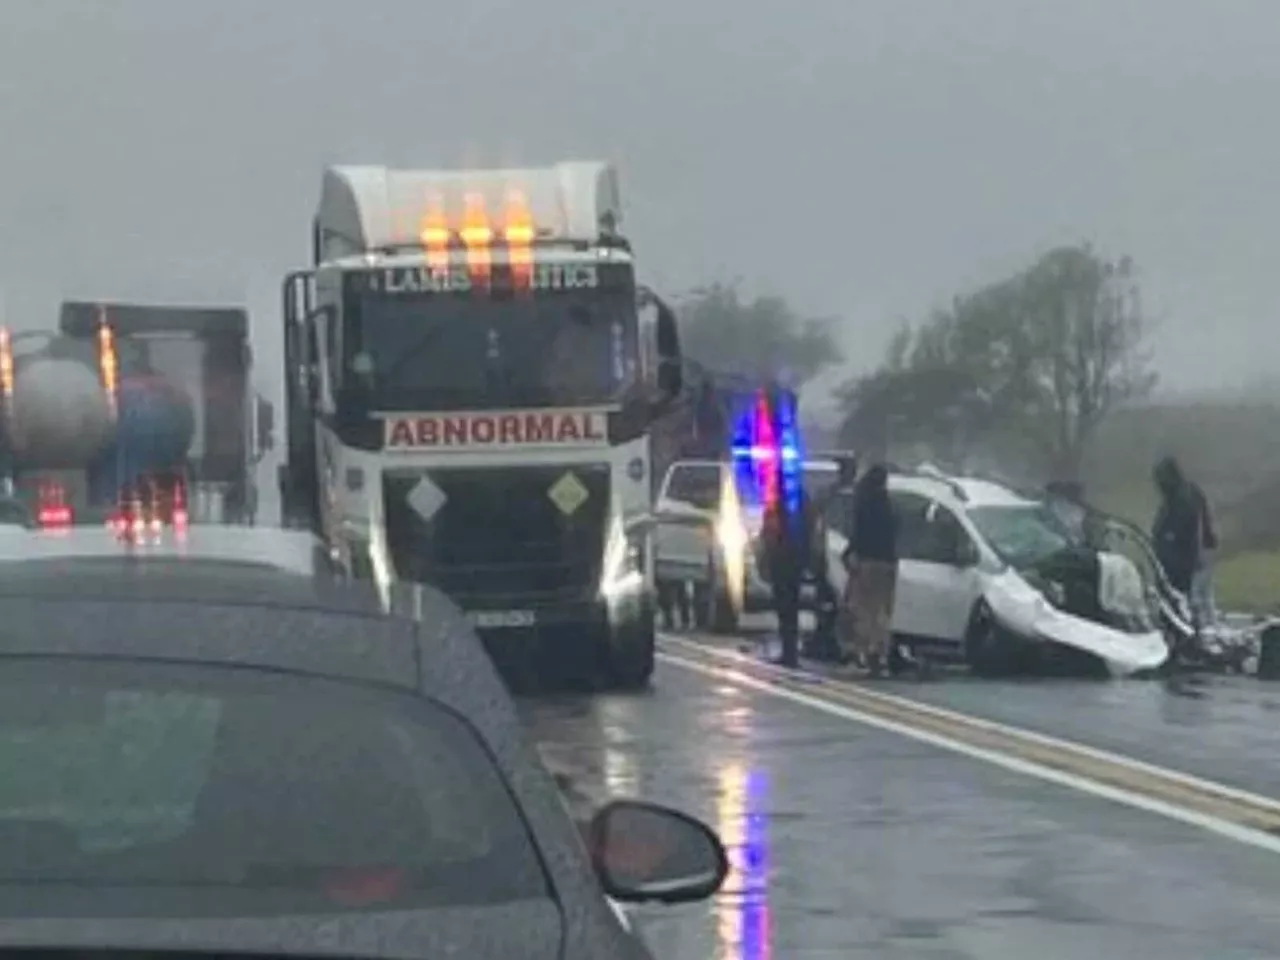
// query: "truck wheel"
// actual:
[[630, 658]]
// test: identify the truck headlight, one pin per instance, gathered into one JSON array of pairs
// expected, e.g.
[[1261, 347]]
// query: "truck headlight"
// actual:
[[623, 571]]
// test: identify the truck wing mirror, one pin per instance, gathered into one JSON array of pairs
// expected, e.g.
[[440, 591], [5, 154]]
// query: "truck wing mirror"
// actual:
[[670, 362]]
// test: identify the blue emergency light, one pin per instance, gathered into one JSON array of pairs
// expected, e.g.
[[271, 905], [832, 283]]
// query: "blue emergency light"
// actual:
[[767, 454]]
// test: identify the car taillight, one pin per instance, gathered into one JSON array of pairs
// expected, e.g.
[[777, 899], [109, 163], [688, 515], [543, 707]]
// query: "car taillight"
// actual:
[[54, 517], [179, 515]]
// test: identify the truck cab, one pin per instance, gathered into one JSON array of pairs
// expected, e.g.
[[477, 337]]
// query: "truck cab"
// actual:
[[472, 375]]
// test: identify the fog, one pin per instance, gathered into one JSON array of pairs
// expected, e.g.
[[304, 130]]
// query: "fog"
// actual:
[[864, 158]]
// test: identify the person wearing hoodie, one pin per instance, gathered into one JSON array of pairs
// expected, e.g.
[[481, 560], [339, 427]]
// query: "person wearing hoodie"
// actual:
[[1178, 532], [873, 562]]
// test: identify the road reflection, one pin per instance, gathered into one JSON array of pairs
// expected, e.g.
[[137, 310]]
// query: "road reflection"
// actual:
[[742, 911], [618, 722]]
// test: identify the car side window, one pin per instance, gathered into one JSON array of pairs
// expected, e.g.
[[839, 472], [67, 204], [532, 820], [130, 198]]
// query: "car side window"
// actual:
[[928, 531]]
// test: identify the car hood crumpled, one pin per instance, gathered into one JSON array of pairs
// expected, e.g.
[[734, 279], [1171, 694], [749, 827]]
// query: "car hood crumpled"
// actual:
[[1023, 609]]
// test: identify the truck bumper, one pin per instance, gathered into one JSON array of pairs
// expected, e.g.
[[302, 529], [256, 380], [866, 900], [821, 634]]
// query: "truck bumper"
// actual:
[[559, 641]]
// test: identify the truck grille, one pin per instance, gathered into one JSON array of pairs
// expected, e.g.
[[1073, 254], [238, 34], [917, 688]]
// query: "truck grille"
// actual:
[[499, 534]]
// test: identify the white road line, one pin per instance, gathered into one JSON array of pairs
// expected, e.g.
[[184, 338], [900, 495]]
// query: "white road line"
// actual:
[[1129, 798], [1030, 736]]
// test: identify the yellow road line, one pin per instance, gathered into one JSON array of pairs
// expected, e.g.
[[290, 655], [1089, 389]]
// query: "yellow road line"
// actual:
[[1037, 752]]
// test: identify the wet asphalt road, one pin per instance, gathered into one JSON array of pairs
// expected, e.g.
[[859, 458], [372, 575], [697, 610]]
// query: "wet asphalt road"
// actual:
[[851, 842], [1222, 728], [1225, 729]]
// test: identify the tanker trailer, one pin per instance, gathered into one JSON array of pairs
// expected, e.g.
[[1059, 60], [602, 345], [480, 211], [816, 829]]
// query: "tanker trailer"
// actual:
[[144, 465], [57, 419], [203, 353], [80, 445]]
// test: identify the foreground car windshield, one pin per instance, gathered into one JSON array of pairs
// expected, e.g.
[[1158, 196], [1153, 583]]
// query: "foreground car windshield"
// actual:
[[168, 790], [1021, 534]]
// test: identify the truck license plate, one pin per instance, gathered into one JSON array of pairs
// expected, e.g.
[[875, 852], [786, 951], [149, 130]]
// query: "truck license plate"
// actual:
[[502, 619]]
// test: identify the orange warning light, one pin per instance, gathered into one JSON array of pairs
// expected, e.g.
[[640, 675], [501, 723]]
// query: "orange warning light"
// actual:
[[6, 363], [435, 235], [477, 235], [519, 233], [108, 362]]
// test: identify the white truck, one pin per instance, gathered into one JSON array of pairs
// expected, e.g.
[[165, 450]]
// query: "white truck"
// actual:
[[472, 377]]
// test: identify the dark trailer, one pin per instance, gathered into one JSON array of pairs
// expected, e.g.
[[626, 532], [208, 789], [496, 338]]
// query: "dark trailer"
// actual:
[[205, 352]]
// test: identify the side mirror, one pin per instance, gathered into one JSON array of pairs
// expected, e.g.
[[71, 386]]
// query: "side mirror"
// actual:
[[670, 363], [643, 852]]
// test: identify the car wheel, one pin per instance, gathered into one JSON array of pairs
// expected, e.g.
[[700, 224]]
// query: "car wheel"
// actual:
[[983, 643], [721, 616]]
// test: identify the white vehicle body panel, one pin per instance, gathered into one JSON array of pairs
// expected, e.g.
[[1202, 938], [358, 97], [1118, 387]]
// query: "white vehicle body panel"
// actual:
[[355, 509], [685, 538], [365, 208]]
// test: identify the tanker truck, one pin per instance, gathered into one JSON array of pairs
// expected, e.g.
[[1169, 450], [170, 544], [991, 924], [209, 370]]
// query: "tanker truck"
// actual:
[[132, 409]]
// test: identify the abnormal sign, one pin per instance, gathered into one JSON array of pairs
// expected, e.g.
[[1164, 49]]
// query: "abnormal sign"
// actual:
[[484, 431]]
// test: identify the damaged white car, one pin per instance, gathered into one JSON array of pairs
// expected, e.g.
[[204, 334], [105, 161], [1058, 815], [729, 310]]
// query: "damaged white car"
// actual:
[[995, 579]]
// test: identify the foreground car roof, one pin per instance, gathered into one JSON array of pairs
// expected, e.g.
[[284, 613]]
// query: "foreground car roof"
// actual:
[[293, 551], [206, 607], [255, 597]]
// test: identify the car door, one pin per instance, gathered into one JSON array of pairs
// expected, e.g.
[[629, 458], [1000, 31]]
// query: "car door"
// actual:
[[938, 579]]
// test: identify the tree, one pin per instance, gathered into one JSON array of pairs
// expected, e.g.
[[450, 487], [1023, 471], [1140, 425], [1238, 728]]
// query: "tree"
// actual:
[[1087, 351], [757, 339], [1033, 363]]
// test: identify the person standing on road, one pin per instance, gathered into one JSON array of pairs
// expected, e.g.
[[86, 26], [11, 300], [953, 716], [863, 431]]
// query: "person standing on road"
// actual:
[[874, 569], [788, 538], [1181, 527], [1203, 608], [673, 598], [1202, 600], [836, 512]]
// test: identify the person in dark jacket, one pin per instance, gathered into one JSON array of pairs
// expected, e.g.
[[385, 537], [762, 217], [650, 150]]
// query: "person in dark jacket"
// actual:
[[1203, 607], [873, 563], [789, 536], [1185, 538], [1178, 530], [835, 512]]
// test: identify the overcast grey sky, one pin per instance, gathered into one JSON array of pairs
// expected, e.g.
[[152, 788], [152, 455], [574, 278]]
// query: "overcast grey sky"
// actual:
[[865, 158]]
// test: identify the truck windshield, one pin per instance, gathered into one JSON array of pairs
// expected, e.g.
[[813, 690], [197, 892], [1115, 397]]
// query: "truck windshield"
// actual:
[[461, 351]]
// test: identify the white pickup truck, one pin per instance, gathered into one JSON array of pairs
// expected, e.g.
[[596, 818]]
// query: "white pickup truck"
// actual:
[[687, 547], [706, 534]]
